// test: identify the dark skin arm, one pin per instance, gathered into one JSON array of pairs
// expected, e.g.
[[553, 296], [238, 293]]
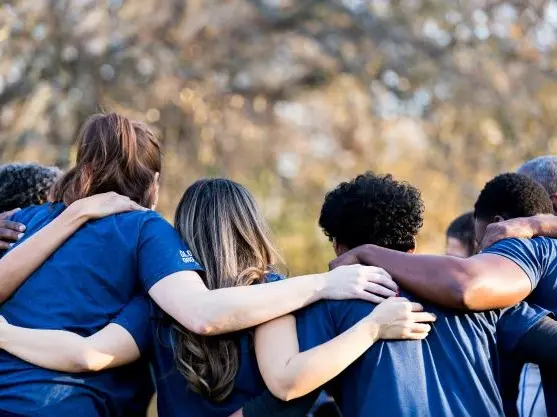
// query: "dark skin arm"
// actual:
[[521, 227], [482, 282]]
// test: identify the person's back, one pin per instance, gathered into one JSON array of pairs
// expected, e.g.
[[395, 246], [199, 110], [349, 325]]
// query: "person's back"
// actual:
[[86, 283], [80, 288], [453, 372], [450, 373]]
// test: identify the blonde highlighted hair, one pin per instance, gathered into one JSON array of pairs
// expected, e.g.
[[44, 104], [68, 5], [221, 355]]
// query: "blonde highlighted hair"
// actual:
[[228, 236]]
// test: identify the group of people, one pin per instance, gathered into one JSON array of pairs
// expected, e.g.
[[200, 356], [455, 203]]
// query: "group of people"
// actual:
[[103, 303]]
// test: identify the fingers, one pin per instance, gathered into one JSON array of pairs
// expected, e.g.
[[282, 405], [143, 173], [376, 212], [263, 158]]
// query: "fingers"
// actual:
[[420, 328], [423, 317], [372, 298], [416, 307], [381, 277], [380, 290], [9, 235], [8, 214], [7, 224]]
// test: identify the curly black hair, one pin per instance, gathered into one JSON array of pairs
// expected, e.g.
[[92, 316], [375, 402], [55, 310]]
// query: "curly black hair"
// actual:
[[373, 209], [512, 195], [22, 185]]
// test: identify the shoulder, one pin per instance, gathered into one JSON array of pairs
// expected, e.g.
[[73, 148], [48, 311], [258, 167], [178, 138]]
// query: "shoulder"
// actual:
[[37, 212]]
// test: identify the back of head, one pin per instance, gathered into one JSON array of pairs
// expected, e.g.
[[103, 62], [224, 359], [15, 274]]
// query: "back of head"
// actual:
[[23, 185], [509, 196], [543, 170], [462, 229], [113, 154], [373, 209], [227, 234]]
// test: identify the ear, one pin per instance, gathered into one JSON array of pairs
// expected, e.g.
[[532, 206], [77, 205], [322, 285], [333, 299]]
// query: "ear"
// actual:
[[553, 198], [339, 248], [498, 219], [156, 191]]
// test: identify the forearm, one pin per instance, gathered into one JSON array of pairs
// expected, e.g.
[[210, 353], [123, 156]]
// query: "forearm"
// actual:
[[52, 349], [481, 282], [439, 279], [543, 225], [309, 370], [18, 264], [230, 309]]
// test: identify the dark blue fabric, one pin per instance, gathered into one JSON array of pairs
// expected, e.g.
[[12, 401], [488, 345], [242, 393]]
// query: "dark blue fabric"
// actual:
[[81, 288], [453, 372], [175, 398], [538, 259]]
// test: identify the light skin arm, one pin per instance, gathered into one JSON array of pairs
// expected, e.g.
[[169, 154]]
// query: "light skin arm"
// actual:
[[230, 309], [482, 282], [65, 351], [290, 374], [19, 263]]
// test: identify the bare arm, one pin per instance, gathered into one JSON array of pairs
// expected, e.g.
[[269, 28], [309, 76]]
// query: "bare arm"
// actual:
[[61, 350], [184, 296], [290, 374], [482, 282], [522, 227], [19, 263]]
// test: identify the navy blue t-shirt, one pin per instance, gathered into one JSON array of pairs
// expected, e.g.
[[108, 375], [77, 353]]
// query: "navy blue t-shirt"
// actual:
[[81, 288], [538, 259], [453, 372], [176, 399]]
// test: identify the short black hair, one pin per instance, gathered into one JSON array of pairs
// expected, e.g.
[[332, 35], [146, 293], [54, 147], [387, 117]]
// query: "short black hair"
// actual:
[[462, 228], [22, 185], [373, 209], [512, 195]]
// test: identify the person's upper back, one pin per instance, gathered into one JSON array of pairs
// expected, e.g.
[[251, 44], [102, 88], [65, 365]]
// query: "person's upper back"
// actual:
[[81, 288], [95, 272], [450, 373]]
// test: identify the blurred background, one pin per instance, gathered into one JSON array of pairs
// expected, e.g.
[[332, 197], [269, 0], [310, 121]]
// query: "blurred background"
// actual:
[[290, 97]]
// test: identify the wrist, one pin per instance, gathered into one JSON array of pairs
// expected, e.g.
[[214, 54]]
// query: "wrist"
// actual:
[[535, 226], [322, 286], [372, 329], [4, 330], [76, 213]]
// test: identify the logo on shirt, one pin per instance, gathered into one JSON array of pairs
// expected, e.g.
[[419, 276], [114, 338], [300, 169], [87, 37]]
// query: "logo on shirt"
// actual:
[[187, 256]]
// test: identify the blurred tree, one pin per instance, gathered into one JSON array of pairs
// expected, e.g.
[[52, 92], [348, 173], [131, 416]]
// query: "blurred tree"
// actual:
[[291, 97]]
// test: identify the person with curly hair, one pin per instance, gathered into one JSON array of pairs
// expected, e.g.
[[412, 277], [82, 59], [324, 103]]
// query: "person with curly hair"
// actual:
[[460, 236], [453, 372], [22, 185]]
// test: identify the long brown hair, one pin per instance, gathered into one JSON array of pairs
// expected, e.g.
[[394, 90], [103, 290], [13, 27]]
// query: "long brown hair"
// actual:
[[113, 154], [228, 235]]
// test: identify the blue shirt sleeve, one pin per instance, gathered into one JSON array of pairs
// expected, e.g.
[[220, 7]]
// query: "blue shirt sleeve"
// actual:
[[314, 325], [161, 252], [135, 318], [516, 322], [532, 255]]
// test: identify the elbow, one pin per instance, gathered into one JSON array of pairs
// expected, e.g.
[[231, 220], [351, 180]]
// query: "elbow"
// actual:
[[203, 326], [285, 391], [79, 363]]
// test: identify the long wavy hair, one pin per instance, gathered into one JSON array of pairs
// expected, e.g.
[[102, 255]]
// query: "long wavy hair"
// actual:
[[227, 234]]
